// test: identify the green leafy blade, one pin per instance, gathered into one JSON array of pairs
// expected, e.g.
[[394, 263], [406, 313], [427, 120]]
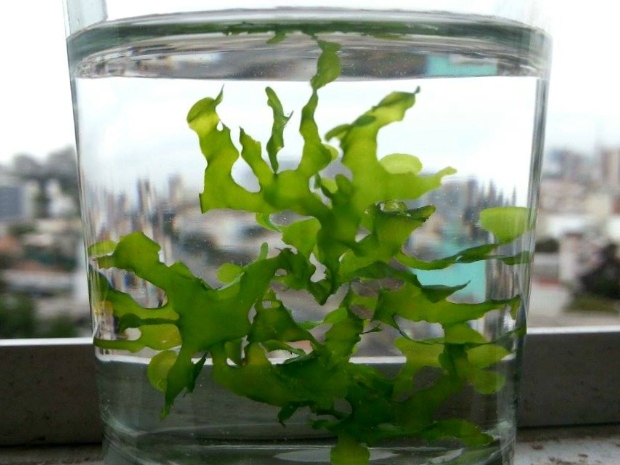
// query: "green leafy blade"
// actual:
[[276, 141], [507, 223]]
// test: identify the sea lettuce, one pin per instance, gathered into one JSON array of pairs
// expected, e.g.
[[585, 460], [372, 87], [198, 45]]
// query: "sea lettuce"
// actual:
[[353, 228]]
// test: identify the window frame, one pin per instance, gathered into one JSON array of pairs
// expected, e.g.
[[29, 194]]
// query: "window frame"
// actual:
[[48, 392]]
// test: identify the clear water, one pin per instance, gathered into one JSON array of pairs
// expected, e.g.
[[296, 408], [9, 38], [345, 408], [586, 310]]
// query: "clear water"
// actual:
[[212, 426], [482, 89]]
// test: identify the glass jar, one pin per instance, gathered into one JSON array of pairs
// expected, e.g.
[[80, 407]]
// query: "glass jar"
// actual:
[[309, 227]]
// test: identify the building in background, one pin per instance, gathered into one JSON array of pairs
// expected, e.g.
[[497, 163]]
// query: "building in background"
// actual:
[[17, 199], [41, 293]]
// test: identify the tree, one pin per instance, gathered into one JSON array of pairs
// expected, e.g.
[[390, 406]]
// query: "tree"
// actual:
[[17, 316]]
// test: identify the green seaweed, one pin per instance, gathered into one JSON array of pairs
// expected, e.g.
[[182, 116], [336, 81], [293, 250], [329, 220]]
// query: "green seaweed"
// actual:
[[240, 322]]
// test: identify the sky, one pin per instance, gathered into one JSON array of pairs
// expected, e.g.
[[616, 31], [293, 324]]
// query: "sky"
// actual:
[[35, 98], [584, 98], [35, 102]]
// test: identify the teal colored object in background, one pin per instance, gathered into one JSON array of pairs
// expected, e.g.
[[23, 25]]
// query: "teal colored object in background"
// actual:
[[449, 66]]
